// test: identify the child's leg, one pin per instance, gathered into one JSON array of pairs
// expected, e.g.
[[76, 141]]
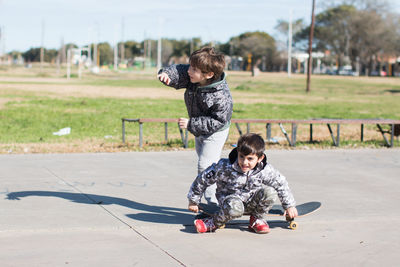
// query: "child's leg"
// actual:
[[262, 202], [231, 208], [209, 150]]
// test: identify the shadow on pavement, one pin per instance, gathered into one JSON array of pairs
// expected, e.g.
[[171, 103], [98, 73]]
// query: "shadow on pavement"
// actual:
[[155, 214]]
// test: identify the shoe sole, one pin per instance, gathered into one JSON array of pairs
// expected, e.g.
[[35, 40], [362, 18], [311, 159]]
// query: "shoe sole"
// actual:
[[259, 232]]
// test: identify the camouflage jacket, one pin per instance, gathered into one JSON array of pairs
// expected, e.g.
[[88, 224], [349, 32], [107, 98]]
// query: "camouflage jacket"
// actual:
[[231, 180], [209, 107]]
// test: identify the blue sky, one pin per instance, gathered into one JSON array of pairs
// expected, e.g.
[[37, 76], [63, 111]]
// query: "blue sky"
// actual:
[[86, 21]]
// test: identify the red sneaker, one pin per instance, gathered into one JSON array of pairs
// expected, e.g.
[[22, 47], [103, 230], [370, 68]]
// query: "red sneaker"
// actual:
[[258, 225], [205, 225]]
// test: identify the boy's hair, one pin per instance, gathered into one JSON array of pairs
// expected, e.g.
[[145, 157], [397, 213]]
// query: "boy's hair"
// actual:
[[251, 143], [208, 60]]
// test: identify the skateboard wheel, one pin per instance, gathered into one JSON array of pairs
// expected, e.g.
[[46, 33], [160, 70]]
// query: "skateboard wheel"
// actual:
[[293, 225]]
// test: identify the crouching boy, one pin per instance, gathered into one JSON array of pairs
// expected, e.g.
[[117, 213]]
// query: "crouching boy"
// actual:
[[246, 183]]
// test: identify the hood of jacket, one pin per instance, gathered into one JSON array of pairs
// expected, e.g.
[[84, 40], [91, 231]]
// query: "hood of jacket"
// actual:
[[214, 86], [233, 155]]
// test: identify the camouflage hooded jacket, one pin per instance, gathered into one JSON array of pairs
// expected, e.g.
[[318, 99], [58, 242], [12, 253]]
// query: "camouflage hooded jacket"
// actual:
[[209, 107], [231, 180]]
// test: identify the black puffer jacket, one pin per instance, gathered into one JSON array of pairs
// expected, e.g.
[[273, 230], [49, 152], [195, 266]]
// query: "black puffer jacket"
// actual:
[[209, 107]]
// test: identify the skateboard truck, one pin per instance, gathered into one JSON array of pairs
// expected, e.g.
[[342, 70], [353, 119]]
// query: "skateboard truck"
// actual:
[[292, 223]]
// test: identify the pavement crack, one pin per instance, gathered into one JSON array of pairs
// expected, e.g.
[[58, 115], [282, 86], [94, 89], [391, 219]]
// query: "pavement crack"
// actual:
[[116, 217]]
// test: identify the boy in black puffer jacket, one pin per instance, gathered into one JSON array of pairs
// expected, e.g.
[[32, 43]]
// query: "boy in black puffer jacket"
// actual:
[[209, 104]]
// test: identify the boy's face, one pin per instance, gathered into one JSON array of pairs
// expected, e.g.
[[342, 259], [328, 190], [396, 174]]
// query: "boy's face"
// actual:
[[196, 76], [248, 162]]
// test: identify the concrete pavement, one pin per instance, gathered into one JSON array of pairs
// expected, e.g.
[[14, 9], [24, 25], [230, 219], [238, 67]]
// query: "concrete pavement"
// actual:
[[129, 209]]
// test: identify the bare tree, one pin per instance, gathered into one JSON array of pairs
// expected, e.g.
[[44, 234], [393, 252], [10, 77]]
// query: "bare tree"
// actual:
[[373, 36], [308, 88]]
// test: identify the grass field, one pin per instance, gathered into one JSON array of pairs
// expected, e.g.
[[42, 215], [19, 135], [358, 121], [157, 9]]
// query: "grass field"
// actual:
[[35, 103]]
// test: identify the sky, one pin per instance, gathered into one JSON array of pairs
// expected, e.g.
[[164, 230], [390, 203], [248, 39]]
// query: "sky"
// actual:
[[29, 23]]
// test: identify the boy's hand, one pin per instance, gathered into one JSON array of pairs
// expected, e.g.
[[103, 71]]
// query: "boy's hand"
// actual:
[[183, 123], [163, 77], [291, 212], [193, 208]]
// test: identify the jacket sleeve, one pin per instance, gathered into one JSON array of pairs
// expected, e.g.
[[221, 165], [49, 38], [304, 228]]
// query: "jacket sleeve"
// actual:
[[221, 114], [178, 74], [276, 180], [206, 178]]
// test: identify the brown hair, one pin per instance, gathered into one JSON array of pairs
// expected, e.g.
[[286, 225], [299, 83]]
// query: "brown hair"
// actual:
[[208, 60], [251, 143]]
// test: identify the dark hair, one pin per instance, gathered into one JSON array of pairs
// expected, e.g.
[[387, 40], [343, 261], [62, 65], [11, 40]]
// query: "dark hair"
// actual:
[[208, 60], [251, 143]]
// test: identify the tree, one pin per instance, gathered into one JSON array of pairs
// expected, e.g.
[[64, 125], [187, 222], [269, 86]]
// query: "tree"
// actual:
[[50, 55], [132, 49], [283, 26], [174, 51], [258, 46], [16, 55], [32, 55], [372, 35], [180, 48], [360, 31], [332, 31], [166, 51], [195, 44], [106, 53]]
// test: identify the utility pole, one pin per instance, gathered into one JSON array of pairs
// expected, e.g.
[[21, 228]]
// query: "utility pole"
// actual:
[[309, 65], [159, 53], [122, 47], [144, 50], [115, 49], [1, 40], [149, 51], [42, 48], [59, 56], [289, 64], [116, 56], [69, 63], [96, 52], [95, 63], [160, 22]]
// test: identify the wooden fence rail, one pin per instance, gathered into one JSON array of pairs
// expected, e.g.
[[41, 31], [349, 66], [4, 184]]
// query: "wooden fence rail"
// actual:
[[394, 128]]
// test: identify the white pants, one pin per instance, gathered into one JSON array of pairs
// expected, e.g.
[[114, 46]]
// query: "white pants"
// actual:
[[209, 148]]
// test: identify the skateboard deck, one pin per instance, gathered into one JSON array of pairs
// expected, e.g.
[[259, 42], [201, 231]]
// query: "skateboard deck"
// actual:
[[207, 210]]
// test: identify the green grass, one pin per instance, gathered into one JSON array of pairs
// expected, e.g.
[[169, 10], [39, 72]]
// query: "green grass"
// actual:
[[28, 117], [318, 110], [321, 85], [34, 119], [127, 83]]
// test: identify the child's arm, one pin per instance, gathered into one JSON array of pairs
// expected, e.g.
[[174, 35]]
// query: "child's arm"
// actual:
[[276, 180], [175, 76], [206, 178]]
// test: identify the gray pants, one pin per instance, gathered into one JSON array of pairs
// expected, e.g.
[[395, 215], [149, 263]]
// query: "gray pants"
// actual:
[[208, 149], [258, 206]]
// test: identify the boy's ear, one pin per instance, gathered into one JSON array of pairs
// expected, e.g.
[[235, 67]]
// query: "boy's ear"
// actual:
[[209, 75], [260, 158]]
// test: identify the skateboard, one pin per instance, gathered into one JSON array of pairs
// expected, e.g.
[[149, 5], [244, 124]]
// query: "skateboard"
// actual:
[[207, 210]]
